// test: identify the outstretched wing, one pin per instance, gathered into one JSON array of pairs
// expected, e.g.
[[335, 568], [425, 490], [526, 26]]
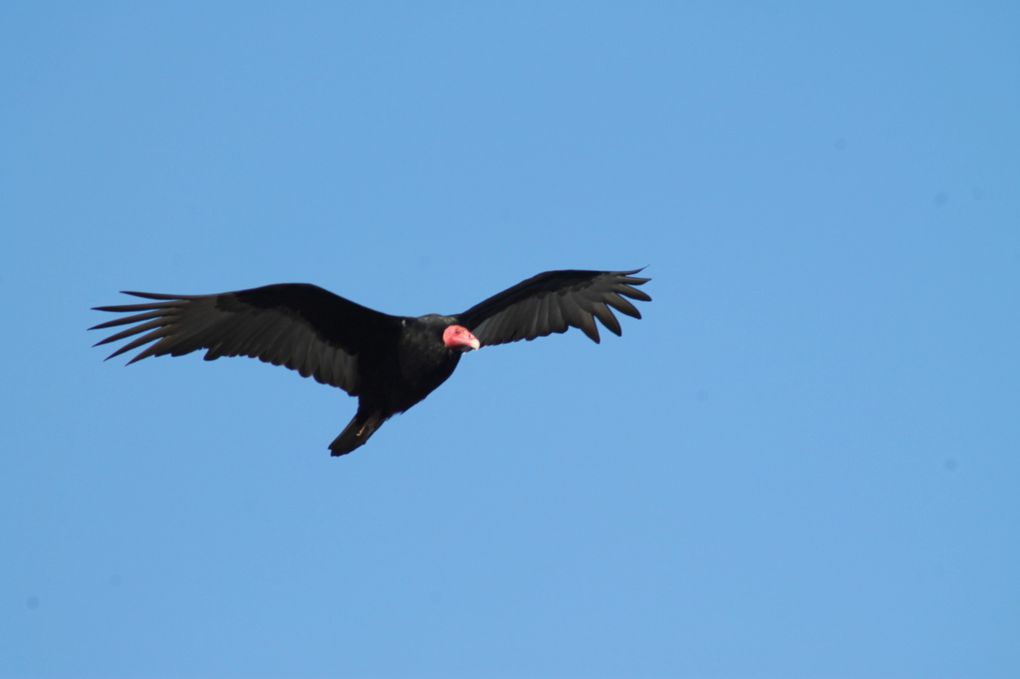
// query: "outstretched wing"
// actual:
[[553, 302], [297, 325]]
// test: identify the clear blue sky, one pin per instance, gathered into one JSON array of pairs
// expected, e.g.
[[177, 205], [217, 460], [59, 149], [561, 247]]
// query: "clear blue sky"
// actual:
[[803, 462]]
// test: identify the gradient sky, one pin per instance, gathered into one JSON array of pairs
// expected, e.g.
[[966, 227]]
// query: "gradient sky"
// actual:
[[803, 461]]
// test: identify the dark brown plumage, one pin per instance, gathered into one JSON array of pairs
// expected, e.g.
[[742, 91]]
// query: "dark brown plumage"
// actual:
[[389, 362]]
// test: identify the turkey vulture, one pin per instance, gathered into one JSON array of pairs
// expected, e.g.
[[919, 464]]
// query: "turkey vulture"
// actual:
[[389, 362]]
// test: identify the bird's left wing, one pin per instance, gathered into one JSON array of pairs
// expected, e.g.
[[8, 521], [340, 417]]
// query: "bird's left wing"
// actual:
[[299, 326], [553, 302]]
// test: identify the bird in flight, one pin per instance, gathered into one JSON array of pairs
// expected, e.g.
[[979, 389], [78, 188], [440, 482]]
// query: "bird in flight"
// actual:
[[389, 362]]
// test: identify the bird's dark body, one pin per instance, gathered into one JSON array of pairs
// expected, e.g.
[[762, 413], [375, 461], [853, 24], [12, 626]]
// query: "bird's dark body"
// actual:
[[401, 379], [422, 363], [389, 362]]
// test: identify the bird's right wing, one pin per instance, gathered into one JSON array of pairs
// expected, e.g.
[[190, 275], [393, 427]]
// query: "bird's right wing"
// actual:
[[296, 325], [554, 301]]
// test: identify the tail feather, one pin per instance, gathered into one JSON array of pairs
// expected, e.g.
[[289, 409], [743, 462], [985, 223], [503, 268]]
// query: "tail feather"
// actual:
[[356, 433]]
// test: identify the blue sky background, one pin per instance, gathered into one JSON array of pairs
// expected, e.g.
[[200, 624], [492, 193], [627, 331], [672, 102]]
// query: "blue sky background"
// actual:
[[803, 462]]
